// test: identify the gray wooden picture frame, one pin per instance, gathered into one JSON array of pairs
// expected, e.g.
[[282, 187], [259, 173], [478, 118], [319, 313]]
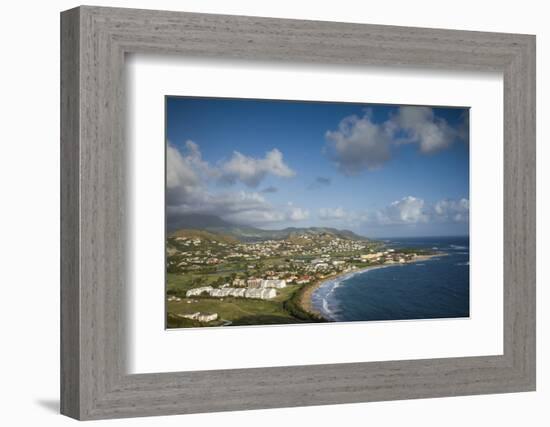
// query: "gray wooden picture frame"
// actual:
[[94, 381]]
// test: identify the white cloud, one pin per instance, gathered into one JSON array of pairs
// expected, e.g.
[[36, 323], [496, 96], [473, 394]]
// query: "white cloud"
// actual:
[[422, 127], [260, 214], [359, 144], [414, 210], [183, 172], [452, 210], [332, 213], [251, 171], [297, 214], [240, 207], [188, 175], [186, 170], [255, 217], [408, 210], [220, 203]]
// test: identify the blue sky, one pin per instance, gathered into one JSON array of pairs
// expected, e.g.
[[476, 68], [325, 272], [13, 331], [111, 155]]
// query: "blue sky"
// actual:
[[379, 170]]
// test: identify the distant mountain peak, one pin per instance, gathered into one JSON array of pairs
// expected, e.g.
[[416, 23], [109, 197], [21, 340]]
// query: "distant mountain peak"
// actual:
[[215, 224]]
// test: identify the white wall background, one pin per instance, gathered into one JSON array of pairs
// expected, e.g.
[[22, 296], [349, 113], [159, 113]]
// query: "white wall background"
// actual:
[[29, 224]]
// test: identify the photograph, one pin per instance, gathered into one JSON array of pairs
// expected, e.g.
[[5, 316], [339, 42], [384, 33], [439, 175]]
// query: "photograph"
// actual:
[[295, 212]]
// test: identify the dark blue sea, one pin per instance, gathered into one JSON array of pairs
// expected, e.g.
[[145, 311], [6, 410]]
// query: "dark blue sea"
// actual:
[[431, 289]]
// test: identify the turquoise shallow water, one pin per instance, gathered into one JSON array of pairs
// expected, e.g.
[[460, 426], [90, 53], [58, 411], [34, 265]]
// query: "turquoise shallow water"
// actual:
[[436, 288]]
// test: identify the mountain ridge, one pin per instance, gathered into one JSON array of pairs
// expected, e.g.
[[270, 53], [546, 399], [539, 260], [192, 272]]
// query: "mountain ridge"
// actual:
[[215, 224]]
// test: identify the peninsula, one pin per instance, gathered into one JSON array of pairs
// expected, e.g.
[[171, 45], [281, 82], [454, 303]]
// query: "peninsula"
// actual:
[[222, 275]]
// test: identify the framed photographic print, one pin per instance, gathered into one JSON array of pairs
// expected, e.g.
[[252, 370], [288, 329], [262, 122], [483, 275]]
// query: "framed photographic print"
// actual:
[[265, 225], [262, 213]]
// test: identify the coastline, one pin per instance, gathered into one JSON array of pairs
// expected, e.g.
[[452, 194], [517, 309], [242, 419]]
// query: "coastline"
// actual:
[[306, 303], [305, 300]]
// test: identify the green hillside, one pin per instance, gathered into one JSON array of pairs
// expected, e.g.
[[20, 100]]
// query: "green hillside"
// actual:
[[213, 227], [204, 235]]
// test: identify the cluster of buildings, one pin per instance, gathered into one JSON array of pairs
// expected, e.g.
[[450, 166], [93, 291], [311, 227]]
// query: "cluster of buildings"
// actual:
[[387, 257], [189, 241], [201, 317], [260, 283], [259, 270], [257, 293], [250, 288], [341, 246], [303, 258], [194, 251]]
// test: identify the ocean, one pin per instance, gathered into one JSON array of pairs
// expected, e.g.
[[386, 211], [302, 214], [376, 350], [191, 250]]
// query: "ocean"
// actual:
[[431, 289]]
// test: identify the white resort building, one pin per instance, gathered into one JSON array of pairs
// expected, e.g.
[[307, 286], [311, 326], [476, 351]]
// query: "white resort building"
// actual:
[[201, 317], [259, 293], [273, 283], [240, 283], [192, 316], [198, 291], [254, 283], [373, 256], [265, 293]]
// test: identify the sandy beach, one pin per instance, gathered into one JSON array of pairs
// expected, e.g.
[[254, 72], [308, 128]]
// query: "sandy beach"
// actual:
[[305, 300]]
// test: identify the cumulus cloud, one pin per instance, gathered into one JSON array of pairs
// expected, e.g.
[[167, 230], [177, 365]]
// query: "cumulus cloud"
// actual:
[[256, 217], [187, 190], [319, 182], [454, 210], [268, 217], [219, 203], [240, 207], [414, 210], [185, 172], [408, 210], [264, 214], [332, 213], [421, 126], [359, 144], [251, 171], [297, 214]]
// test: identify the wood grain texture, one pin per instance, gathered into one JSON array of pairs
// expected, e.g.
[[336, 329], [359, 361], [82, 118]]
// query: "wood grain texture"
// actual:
[[94, 380], [70, 291]]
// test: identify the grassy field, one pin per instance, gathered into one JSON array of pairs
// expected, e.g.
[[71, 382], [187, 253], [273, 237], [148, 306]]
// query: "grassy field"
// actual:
[[232, 311], [238, 311], [178, 284]]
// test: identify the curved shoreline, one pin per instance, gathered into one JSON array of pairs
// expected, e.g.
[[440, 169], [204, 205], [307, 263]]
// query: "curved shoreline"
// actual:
[[306, 299]]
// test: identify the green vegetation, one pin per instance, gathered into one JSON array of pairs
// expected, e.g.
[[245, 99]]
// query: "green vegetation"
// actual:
[[205, 235], [292, 305], [238, 311], [299, 257], [178, 284], [417, 251]]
